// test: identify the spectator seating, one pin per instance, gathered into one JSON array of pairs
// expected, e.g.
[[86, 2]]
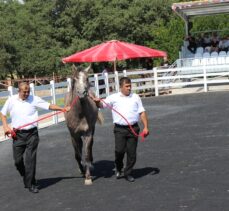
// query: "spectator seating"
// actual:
[[187, 62], [214, 54], [190, 55], [200, 50], [206, 55], [222, 53], [198, 55], [214, 58], [221, 57], [205, 61], [196, 62], [227, 59], [185, 53], [203, 56]]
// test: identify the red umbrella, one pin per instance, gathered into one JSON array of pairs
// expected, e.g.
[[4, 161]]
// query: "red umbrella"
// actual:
[[113, 50]]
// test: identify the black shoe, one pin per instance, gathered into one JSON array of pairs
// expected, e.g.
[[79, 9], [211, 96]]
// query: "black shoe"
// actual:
[[129, 178], [33, 189], [34, 185], [118, 175]]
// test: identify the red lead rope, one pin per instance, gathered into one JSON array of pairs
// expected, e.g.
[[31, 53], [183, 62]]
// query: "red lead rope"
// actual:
[[12, 133], [142, 134]]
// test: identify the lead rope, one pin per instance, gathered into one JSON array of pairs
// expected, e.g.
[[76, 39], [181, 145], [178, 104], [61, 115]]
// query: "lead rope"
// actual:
[[142, 134], [12, 133]]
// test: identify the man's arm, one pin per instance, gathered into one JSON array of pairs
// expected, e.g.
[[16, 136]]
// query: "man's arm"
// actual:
[[54, 107], [144, 119], [5, 125], [97, 100]]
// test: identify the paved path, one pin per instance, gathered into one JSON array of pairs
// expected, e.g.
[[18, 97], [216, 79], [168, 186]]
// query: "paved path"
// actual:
[[183, 164]]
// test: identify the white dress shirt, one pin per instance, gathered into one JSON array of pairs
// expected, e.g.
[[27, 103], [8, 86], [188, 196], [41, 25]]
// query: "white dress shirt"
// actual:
[[23, 111], [129, 106]]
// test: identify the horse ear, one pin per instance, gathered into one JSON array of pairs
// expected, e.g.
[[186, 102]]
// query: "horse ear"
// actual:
[[75, 71], [88, 68], [74, 68]]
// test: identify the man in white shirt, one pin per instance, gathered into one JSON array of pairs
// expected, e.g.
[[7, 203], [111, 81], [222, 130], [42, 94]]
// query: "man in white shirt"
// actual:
[[130, 106], [23, 109]]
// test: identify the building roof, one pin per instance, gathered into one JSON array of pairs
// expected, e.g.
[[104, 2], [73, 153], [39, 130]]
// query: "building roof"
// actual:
[[198, 8]]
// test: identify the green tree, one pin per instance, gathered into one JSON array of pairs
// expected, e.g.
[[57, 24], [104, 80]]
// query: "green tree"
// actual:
[[34, 36]]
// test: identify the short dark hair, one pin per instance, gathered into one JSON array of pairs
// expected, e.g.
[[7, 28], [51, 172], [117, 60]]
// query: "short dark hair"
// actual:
[[124, 80]]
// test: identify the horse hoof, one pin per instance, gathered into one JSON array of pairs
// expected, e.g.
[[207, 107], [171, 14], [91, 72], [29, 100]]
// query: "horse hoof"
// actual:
[[88, 182]]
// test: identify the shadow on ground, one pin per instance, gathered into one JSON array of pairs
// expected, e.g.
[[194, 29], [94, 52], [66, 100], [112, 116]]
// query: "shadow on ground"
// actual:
[[46, 182], [103, 169], [106, 169], [141, 172]]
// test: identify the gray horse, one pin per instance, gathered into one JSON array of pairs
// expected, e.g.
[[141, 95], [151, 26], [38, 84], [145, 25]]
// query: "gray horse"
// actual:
[[81, 119]]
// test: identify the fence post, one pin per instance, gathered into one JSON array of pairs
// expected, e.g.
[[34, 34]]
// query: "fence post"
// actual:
[[32, 88], [96, 85], [205, 79], [116, 82], [124, 73], [156, 82], [53, 94], [10, 89], [69, 84], [107, 86]]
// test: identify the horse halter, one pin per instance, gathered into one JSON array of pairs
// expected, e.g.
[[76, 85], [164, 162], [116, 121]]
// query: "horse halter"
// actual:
[[85, 93], [82, 95]]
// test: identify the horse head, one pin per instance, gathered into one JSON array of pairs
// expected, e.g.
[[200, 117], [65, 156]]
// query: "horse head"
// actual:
[[80, 83]]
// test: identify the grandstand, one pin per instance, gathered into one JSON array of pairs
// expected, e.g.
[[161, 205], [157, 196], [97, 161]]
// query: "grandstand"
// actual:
[[204, 50]]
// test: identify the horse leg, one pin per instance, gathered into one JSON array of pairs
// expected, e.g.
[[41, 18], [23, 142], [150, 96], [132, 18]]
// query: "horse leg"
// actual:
[[78, 145], [88, 158]]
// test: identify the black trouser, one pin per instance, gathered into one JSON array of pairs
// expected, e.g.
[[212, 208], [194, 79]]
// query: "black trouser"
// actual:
[[24, 152], [125, 142]]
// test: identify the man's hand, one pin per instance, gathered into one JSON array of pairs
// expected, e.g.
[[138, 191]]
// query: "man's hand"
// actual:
[[96, 100], [144, 119], [7, 130], [145, 132], [67, 108]]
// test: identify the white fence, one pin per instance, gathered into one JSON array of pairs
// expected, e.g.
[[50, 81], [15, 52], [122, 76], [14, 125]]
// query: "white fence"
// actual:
[[151, 81]]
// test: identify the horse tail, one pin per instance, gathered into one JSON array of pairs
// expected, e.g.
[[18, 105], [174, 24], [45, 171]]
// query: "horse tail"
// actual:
[[100, 118]]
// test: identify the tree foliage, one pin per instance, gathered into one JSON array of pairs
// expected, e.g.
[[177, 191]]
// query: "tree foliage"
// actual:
[[35, 35]]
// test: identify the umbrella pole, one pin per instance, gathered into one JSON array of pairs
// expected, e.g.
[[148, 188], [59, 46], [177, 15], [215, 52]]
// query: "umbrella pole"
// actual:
[[114, 65]]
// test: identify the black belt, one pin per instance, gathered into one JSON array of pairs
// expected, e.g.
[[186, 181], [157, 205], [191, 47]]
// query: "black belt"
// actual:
[[26, 131], [126, 126]]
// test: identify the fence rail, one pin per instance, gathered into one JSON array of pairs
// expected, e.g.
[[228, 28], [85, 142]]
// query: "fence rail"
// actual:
[[152, 81]]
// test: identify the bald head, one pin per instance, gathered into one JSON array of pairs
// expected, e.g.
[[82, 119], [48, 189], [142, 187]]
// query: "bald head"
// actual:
[[24, 90]]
